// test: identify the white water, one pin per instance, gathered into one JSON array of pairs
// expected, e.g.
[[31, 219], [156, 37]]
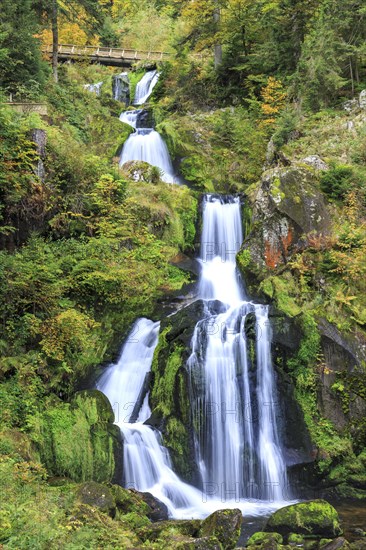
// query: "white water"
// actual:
[[95, 88], [145, 87], [146, 144], [130, 117], [237, 443]]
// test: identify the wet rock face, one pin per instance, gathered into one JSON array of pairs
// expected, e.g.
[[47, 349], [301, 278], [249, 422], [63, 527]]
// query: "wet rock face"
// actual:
[[342, 354], [287, 206], [121, 88]]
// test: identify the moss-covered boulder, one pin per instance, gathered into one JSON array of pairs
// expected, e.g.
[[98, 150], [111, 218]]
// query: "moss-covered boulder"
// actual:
[[336, 544], [225, 525], [78, 439], [203, 543], [265, 540], [316, 518], [98, 496], [131, 501], [165, 530]]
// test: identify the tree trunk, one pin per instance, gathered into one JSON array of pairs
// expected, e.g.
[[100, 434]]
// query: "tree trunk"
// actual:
[[54, 21], [217, 47]]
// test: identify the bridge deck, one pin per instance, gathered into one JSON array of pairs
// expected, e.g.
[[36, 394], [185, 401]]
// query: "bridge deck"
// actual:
[[106, 56]]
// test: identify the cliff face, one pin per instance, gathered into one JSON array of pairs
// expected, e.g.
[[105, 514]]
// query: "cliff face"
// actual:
[[322, 352]]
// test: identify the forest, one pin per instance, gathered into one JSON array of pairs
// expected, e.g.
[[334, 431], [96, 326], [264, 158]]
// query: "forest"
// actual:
[[248, 144]]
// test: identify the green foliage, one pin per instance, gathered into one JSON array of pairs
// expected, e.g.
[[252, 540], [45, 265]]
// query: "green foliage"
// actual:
[[338, 181], [73, 440], [22, 72]]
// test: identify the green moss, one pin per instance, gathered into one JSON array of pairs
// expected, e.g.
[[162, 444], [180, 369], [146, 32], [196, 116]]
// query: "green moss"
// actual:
[[316, 518], [283, 290], [77, 440], [264, 538], [163, 391]]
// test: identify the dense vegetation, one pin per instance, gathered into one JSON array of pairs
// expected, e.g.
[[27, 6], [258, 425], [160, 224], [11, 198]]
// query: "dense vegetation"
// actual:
[[85, 249]]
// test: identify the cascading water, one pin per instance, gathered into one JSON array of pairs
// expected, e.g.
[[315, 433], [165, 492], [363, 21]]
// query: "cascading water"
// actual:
[[131, 117], [145, 87], [146, 144], [95, 88], [238, 447], [234, 407], [147, 465]]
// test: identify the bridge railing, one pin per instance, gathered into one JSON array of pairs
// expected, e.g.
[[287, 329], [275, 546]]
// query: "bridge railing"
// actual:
[[73, 50]]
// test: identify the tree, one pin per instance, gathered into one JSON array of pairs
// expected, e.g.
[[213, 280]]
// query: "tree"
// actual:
[[21, 67], [51, 10]]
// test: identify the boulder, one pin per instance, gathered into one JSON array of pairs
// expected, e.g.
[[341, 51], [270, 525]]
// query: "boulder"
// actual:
[[225, 525], [158, 511], [165, 529], [316, 162], [315, 518], [362, 99], [79, 440], [340, 542], [265, 540], [128, 501], [203, 543], [98, 496], [351, 105], [286, 206]]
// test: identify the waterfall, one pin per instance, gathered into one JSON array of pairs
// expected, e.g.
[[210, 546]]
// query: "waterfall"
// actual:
[[237, 442], [145, 87], [147, 465], [130, 117], [95, 88], [121, 88], [146, 144], [234, 409]]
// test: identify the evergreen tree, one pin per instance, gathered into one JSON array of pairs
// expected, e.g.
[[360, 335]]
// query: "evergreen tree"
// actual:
[[21, 68]]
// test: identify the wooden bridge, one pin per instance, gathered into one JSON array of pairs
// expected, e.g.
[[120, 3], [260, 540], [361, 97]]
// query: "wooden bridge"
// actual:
[[116, 57]]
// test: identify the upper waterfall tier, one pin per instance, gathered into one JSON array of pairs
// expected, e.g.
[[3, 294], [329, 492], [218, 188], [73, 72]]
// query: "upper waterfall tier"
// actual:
[[145, 87], [146, 144]]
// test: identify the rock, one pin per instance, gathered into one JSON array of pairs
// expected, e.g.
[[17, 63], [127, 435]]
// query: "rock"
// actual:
[[351, 105], [128, 501], [121, 88], [225, 525], [203, 543], [139, 170], [265, 540], [158, 511], [358, 545], [78, 439], [316, 162], [165, 529], [98, 496], [294, 538], [335, 544], [94, 404], [285, 206], [316, 518], [362, 99]]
